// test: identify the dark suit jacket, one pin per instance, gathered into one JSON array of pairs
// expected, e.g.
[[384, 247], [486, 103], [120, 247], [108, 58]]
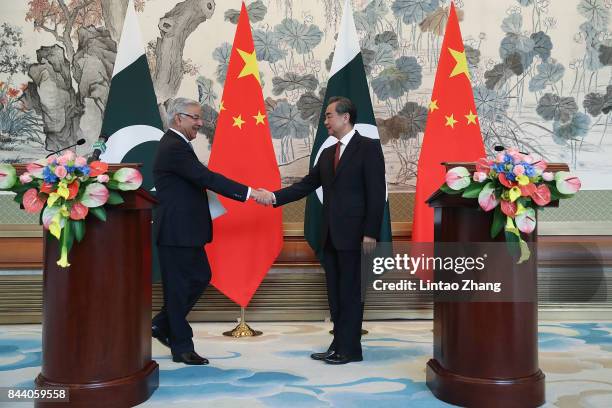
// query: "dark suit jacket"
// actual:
[[182, 217], [353, 195]]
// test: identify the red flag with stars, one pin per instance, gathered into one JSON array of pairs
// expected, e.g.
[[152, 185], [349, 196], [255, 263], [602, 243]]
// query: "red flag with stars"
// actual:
[[452, 132], [248, 237]]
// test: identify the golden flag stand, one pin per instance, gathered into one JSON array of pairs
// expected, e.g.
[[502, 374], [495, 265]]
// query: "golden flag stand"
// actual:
[[243, 329]]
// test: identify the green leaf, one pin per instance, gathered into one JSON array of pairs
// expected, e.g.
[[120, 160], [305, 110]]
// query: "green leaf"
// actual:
[[114, 198], [99, 212], [499, 219], [473, 190], [113, 185], [78, 227], [19, 197], [446, 189], [67, 235]]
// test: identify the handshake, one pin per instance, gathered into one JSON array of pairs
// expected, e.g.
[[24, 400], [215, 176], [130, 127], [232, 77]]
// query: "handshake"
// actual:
[[262, 196]]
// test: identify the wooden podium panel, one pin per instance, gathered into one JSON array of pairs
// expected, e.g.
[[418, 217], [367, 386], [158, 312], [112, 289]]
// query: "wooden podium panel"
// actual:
[[485, 353], [96, 336]]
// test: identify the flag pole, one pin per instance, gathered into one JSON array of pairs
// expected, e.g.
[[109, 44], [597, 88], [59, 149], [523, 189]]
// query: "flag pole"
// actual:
[[243, 329]]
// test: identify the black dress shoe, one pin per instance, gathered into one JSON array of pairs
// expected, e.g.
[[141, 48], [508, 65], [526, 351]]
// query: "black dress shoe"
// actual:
[[338, 358], [322, 356], [190, 358], [161, 336]]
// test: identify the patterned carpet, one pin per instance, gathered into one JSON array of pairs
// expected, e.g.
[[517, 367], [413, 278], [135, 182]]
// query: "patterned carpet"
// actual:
[[274, 370]]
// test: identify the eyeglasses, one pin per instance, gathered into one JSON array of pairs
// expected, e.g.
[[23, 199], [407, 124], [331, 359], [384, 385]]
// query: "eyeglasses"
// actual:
[[194, 117]]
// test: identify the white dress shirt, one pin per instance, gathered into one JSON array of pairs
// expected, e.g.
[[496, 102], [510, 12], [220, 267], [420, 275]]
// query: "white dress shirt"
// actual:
[[344, 141]]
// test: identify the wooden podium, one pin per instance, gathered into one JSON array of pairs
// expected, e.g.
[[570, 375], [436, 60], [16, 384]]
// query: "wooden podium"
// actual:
[[485, 353], [96, 338]]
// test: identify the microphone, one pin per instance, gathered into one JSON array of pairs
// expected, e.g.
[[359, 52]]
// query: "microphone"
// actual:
[[78, 143], [499, 148], [99, 148]]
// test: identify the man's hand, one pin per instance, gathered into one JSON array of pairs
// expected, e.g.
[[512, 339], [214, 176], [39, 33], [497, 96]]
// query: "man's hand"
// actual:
[[262, 196], [369, 245]]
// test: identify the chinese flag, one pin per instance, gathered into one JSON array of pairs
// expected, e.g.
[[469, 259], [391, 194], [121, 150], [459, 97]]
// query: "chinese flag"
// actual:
[[452, 132], [248, 238]]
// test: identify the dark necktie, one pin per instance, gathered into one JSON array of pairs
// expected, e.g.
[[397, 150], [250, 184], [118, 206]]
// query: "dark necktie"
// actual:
[[337, 155]]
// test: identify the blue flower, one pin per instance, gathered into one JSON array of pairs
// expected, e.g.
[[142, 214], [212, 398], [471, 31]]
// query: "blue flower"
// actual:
[[48, 175], [530, 171], [84, 169], [510, 176]]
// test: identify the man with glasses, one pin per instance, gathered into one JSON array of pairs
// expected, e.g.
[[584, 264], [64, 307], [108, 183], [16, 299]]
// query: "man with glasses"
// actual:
[[183, 225]]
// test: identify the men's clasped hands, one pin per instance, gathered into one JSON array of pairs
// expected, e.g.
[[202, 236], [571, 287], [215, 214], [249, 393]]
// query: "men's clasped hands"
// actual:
[[263, 197]]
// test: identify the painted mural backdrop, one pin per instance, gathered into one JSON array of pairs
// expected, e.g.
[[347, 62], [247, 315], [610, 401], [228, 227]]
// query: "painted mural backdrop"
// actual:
[[540, 68]]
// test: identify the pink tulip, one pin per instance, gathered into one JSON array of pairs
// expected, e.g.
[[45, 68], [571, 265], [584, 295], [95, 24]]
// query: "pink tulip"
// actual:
[[540, 165], [541, 196], [95, 195], [526, 221], [567, 183], [25, 178], [51, 160], [31, 202], [548, 176], [479, 176], [102, 178], [78, 211], [80, 161], [68, 156], [518, 170], [487, 199], [499, 158], [130, 179], [60, 171]]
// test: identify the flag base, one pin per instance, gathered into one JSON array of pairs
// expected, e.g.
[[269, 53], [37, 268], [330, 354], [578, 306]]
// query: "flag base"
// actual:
[[243, 329]]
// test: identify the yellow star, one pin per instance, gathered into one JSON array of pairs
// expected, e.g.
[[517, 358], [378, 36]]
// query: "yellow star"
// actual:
[[250, 64], [471, 118], [433, 105], [259, 118], [450, 121], [462, 66], [221, 107], [238, 121]]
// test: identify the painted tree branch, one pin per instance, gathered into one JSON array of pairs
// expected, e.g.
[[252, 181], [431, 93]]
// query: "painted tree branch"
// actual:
[[174, 28]]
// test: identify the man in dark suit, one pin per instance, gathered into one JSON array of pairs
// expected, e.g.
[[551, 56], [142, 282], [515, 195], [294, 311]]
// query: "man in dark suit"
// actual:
[[352, 174], [183, 225]]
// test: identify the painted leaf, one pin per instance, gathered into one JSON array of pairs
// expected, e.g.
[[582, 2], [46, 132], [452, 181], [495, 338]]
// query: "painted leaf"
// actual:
[[387, 37], [301, 37], [285, 120], [256, 11], [206, 92], [596, 12], [553, 107], [266, 46], [292, 82], [413, 11], [542, 44], [310, 106], [593, 103], [416, 116], [577, 127], [548, 74], [513, 23], [436, 21]]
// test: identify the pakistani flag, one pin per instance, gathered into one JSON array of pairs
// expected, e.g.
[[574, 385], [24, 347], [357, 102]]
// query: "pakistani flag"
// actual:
[[131, 118], [347, 78]]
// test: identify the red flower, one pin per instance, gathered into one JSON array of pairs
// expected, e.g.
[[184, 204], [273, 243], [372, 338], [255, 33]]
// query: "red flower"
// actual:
[[31, 202], [12, 92], [78, 211], [505, 182], [541, 196], [508, 208], [47, 188], [73, 188], [527, 190], [97, 168]]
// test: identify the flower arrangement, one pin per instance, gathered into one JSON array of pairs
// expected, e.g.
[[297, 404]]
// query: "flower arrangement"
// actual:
[[513, 185], [64, 190]]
